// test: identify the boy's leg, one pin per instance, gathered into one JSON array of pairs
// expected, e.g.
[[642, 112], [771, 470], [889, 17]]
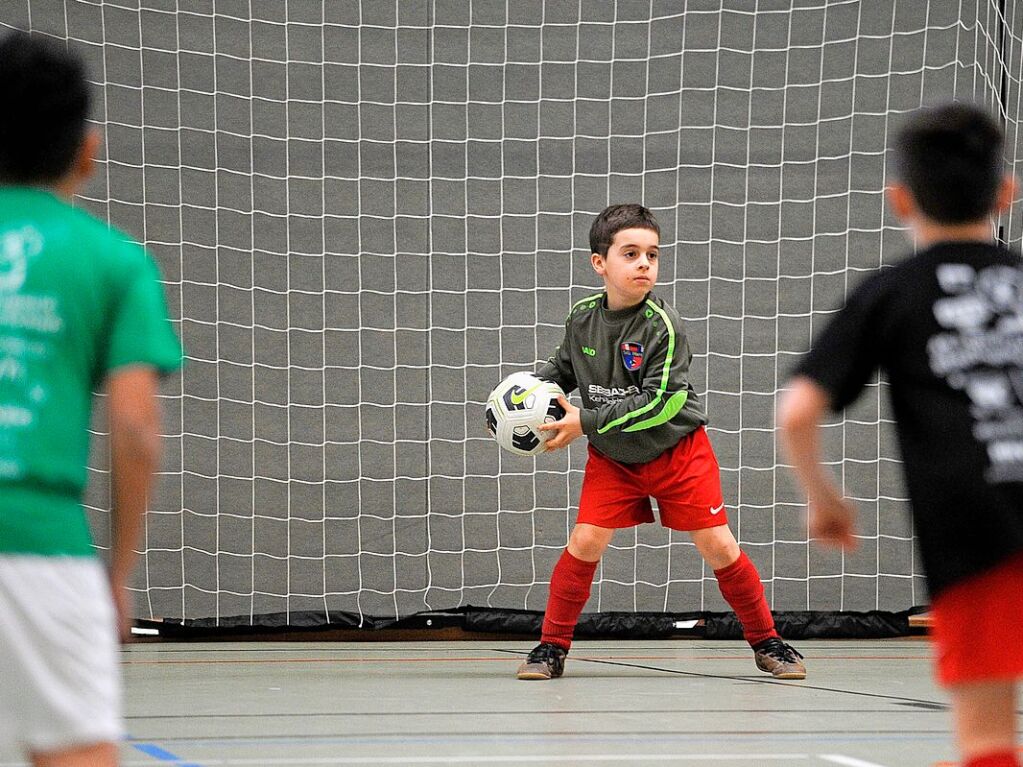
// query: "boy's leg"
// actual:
[[738, 580], [96, 755], [978, 658], [571, 582], [569, 591], [985, 723], [609, 499], [740, 585], [687, 486]]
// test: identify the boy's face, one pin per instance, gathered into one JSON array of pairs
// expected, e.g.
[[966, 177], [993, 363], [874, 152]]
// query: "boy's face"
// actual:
[[630, 267]]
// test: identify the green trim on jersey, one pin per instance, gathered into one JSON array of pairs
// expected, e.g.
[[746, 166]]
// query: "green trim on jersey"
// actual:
[[674, 403], [598, 298]]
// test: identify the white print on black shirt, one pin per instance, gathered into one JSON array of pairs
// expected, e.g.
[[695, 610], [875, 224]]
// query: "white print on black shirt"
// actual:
[[981, 353]]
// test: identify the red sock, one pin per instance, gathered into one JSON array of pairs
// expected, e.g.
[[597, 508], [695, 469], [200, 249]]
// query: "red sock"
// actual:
[[741, 587], [570, 588], [994, 759]]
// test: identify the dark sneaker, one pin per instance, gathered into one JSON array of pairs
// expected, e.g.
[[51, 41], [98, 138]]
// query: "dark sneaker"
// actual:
[[546, 661], [780, 660]]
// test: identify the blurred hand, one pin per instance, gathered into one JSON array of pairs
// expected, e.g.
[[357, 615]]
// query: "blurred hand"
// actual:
[[833, 520], [567, 429]]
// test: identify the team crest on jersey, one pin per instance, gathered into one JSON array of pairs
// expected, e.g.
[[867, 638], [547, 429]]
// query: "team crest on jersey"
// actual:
[[632, 355]]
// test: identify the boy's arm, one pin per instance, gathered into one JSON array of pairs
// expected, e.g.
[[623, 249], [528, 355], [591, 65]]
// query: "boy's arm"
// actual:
[[134, 415], [558, 367], [800, 411], [559, 370]]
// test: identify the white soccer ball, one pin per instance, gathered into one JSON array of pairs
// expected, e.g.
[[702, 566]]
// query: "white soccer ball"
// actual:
[[517, 406]]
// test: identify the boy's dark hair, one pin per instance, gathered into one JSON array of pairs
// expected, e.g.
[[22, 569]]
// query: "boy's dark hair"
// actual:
[[950, 157], [44, 102], [613, 219]]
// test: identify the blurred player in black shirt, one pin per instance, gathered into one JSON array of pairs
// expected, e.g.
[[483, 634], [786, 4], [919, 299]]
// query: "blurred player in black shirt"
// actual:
[[946, 327]]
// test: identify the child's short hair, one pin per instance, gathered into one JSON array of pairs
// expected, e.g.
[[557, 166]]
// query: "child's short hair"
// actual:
[[613, 219], [950, 157], [44, 102]]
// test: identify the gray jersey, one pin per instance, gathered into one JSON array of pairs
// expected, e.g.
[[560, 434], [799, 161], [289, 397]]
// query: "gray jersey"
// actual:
[[632, 371]]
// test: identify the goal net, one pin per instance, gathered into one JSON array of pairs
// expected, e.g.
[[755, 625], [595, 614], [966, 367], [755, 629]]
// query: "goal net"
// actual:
[[368, 213]]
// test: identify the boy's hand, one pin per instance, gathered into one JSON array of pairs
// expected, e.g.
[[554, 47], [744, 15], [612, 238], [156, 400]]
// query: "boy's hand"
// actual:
[[833, 520], [567, 429]]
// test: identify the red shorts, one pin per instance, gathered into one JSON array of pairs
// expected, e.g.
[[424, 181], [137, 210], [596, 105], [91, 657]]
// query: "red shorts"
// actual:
[[685, 481], [974, 627]]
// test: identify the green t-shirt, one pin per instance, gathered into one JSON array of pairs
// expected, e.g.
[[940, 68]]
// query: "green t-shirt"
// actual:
[[77, 301]]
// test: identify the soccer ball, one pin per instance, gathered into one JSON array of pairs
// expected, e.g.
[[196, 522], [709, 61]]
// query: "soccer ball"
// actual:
[[517, 406]]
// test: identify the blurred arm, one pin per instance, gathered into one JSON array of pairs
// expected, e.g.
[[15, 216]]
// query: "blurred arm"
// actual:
[[800, 412], [134, 416]]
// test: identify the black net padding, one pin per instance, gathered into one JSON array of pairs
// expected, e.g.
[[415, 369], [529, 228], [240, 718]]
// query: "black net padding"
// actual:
[[611, 625], [874, 624]]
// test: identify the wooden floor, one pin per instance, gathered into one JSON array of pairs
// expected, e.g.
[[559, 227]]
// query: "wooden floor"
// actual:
[[863, 704]]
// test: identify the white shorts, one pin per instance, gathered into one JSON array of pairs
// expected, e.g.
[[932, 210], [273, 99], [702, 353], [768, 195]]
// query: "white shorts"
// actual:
[[59, 654]]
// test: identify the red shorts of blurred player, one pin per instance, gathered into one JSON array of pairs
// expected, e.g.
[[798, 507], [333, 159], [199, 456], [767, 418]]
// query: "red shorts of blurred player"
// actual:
[[685, 481], [974, 627]]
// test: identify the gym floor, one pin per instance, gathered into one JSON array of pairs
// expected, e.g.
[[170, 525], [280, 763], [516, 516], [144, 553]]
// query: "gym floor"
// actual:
[[863, 704]]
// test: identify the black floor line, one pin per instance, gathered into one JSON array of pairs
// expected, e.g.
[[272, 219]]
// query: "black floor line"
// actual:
[[794, 684]]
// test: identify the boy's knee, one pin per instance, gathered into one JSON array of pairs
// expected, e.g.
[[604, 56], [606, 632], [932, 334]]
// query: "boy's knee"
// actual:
[[723, 554], [588, 542], [717, 546]]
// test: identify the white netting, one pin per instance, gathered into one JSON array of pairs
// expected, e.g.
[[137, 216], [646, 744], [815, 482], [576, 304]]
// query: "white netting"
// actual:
[[368, 213]]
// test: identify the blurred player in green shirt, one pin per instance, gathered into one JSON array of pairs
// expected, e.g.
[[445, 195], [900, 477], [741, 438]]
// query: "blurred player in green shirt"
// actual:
[[81, 310]]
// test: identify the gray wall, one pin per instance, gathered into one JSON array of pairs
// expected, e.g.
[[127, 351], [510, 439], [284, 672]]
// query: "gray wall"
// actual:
[[366, 217]]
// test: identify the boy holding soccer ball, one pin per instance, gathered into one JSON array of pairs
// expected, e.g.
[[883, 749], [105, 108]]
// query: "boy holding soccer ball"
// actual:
[[946, 326], [626, 351]]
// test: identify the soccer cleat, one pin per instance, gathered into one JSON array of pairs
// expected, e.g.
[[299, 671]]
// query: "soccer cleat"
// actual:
[[779, 659], [546, 661]]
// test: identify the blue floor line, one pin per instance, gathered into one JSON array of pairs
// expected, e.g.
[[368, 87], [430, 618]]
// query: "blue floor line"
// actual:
[[151, 749]]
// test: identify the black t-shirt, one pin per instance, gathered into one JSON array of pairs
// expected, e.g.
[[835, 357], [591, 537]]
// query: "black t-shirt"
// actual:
[[946, 326]]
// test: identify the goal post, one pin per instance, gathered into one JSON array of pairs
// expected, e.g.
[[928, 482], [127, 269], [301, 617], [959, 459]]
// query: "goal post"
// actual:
[[367, 214]]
